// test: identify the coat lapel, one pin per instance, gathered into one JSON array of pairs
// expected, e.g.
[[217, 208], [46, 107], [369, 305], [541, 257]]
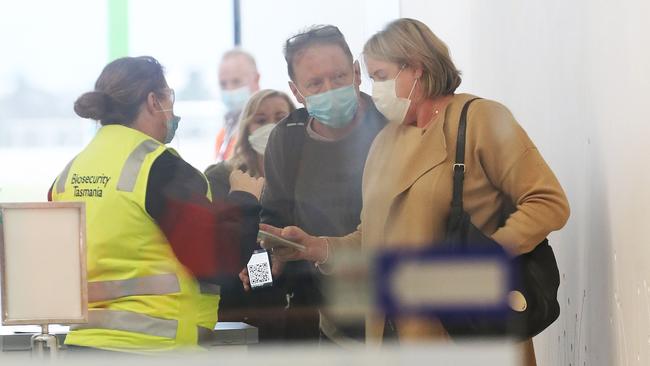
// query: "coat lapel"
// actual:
[[401, 155], [417, 152]]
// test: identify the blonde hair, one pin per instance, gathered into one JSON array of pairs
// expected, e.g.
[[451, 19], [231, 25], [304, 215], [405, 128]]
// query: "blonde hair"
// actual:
[[410, 42], [244, 156]]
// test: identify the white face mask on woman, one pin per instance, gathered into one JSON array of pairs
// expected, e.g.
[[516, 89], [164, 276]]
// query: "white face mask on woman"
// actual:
[[388, 103], [260, 137]]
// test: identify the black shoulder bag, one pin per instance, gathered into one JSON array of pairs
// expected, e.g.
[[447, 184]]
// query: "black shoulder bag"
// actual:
[[537, 273]]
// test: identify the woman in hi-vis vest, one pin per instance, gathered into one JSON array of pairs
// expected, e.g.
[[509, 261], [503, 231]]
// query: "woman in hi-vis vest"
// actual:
[[152, 230]]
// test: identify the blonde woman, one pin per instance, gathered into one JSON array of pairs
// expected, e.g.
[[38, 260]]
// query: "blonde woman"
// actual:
[[407, 181], [263, 309], [260, 114]]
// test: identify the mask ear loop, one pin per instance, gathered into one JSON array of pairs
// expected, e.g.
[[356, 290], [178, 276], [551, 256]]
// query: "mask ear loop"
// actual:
[[298, 90], [412, 89], [414, 83], [400, 71], [303, 97]]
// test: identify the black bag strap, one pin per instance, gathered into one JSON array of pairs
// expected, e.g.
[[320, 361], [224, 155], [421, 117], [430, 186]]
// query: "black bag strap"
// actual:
[[459, 165]]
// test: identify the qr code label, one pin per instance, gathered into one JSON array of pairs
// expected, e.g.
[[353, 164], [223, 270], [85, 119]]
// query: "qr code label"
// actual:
[[259, 270]]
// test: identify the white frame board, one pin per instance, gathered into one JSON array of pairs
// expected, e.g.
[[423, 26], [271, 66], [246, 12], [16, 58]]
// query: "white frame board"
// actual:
[[43, 263]]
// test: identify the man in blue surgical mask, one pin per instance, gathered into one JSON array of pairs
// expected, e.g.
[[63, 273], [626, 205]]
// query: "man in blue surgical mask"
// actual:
[[238, 80], [314, 163]]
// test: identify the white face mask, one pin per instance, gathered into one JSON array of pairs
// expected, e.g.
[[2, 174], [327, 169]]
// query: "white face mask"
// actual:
[[259, 138], [388, 103]]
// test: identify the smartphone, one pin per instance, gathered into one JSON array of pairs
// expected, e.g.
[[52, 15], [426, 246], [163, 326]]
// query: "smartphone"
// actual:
[[272, 241], [259, 270]]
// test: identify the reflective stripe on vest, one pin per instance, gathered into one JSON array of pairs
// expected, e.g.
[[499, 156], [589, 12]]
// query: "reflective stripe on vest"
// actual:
[[150, 285], [133, 164], [209, 288], [60, 185], [128, 321]]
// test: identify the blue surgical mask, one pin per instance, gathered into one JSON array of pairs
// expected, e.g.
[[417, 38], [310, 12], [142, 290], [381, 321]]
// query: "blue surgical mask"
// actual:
[[235, 99], [172, 126], [334, 108]]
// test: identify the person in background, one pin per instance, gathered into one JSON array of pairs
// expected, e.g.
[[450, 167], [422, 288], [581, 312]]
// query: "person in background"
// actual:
[[313, 167], [260, 115], [238, 80], [509, 191], [258, 118], [152, 231]]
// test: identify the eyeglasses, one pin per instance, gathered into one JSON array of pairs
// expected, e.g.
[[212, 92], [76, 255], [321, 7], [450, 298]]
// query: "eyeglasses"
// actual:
[[319, 32], [172, 95]]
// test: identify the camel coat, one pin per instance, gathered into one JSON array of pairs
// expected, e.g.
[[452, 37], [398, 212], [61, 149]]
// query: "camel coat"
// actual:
[[407, 187]]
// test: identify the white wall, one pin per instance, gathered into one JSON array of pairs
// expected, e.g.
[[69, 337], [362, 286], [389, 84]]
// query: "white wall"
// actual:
[[576, 74], [266, 25]]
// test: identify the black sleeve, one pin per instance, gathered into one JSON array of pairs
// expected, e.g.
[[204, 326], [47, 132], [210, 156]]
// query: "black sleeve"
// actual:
[[278, 196], [219, 178], [172, 177], [196, 228], [243, 225]]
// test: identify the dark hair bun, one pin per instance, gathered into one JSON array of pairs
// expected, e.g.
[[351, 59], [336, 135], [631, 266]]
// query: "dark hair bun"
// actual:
[[94, 105]]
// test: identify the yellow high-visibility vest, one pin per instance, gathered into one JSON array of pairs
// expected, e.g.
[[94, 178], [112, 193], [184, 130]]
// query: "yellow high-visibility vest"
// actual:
[[141, 298]]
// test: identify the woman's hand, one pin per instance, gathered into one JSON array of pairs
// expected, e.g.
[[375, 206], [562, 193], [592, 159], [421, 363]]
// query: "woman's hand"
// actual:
[[317, 248], [240, 181], [317, 251]]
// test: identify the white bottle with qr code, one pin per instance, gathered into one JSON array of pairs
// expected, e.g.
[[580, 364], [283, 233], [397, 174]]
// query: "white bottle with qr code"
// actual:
[[259, 270]]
